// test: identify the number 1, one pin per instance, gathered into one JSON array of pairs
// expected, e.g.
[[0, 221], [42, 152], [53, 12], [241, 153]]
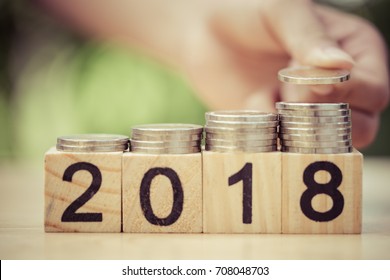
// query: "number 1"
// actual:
[[244, 175]]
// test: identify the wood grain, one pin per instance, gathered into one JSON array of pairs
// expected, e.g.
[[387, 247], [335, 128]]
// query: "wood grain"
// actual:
[[223, 204], [59, 194], [161, 192], [350, 187]]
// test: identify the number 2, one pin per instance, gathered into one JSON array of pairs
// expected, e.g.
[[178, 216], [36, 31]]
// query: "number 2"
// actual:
[[70, 214]]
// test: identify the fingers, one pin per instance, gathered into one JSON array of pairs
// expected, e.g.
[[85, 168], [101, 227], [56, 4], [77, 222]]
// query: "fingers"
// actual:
[[367, 91], [298, 27], [365, 128], [365, 124], [368, 88]]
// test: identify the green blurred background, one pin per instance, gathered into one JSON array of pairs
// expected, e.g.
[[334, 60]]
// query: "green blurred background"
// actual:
[[53, 82]]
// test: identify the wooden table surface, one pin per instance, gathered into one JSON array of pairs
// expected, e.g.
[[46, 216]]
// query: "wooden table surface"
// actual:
[[22, 235]]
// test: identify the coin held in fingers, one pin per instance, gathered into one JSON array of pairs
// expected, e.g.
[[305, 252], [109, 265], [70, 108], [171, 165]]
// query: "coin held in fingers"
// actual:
[[307, 75]]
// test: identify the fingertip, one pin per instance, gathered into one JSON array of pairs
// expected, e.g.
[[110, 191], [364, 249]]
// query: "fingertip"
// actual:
[[329, 57], [322, 89]]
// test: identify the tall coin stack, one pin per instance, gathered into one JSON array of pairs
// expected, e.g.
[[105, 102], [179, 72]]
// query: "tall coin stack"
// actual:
[[85, 143], [166, 139], [315, 128], [242, 130]]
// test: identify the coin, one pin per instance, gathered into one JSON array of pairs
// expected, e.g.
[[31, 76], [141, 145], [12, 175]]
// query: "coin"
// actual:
[[87, 149], [249, 143], [213, 148], [310, 106], [174, 150], [167, 128], [317, 150], [241, 125], [317, 144], [328, 125], [241, 130], [313, 75], [166, 137], [92, 143], [318, 131], [242, 136], [314, 120], [241, 116], [315, 137], [314, 113], [164, 144], [92, 139], [229, 130], [170, 138]]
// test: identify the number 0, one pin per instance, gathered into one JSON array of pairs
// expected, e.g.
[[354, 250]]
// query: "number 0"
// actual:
[[178, 197]]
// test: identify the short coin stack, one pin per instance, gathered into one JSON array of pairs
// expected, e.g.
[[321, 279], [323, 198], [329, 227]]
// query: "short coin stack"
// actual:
[[85, 143], [242, 130], [166, 139], [315, 128]]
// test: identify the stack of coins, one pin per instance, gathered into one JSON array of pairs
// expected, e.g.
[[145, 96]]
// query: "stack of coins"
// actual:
[[315, 128], [166, 138], [93, 143], [245, 131]]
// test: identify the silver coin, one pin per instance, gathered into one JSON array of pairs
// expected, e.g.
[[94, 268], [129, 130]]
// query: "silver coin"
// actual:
[[316, 125], [315, 137], [241, 116], [224, 149], [314, 113], [92, 140], [317, 144], [229, 130], [167, 137], [316, 130], [251, 125], [89, 149], [313, 75], [314, 120], [242, 136], [249, 143], [311, 106], [164, 144], [317, 150], [175, 150], [167, 128]]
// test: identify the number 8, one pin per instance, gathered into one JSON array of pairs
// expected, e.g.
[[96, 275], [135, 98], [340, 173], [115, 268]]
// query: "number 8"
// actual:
[[314, 188]]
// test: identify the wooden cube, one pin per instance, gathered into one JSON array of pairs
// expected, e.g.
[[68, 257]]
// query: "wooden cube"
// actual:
[[83, 191], [322, 193], [241, 192], [162, 193]]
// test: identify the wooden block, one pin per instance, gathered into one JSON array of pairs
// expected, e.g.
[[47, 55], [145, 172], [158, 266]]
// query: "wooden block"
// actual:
[[241, 192], [83, 191], [162, 193], [322, 193]]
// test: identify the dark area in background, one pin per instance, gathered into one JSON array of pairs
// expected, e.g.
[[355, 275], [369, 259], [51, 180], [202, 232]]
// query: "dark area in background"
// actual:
[[378, 12], [380, 17]]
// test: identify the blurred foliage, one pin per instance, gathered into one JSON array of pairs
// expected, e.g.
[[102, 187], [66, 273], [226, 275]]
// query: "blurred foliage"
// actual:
[[59, 84]]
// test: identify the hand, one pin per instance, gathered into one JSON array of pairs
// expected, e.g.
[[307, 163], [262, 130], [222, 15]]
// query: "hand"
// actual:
[[235, 65], [231, 50]]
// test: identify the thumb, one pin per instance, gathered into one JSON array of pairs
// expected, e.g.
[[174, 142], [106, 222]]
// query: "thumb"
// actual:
[[299, 29]]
